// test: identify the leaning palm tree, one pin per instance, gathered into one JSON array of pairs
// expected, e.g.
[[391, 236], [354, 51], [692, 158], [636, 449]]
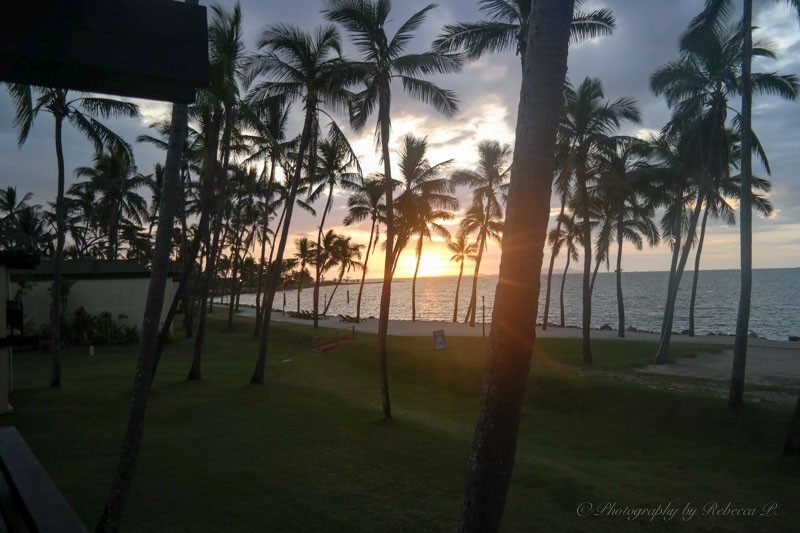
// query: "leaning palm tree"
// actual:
[[382, 60], [345, 255], [298, 66], [82, 112], [699, 86], [511, 340], [712, 17], [462, 250], [424, 201], [587, 121], [365, 202], [337, 165], [114, 181], [507, 28], [489, 184]]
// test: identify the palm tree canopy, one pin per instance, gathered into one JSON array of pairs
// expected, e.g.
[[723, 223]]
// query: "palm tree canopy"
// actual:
[[508, 25], [382, 58]]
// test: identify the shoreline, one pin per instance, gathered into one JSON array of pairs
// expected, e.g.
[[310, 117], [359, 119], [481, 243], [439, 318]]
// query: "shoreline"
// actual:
[[425, 328]]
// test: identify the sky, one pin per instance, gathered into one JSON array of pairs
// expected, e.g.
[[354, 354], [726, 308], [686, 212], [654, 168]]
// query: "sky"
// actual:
[[646, 37]]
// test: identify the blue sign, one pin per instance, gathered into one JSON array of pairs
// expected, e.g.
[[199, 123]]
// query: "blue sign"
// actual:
[[439, 342]]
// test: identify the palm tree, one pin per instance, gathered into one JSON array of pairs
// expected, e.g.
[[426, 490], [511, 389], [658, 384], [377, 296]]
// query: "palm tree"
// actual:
[[489, 183], [587, 121], [307, 67], [511, 339], [335, 159], [82, 112], [11, 208], [114, 180], [625, 192], [345, 255], [226, 60], [304, 256], [717, 194], [462, 250], [713, 15], [382, 60], [425, 200], [365, 202], [508, 25], [268, 122], [699, 85], [562, 181], [566, 233]]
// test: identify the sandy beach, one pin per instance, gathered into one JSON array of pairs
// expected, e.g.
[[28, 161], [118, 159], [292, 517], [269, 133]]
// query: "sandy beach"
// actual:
[[771, 364]]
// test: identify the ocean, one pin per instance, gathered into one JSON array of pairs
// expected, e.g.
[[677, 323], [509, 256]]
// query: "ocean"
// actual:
[[774, 307]]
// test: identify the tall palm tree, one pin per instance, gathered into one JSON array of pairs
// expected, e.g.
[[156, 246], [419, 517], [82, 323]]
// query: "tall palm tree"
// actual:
[[699, 86], [588, 121], [626, 193], [462, 250], [424, 201], [82, 111], [268, 123], [298, 66], [115, 181], [365, 202], [489, 184], [335, 160], [562, 181], [511, 339], [508, 25], [227, 63], [382, 60], [715, 13]]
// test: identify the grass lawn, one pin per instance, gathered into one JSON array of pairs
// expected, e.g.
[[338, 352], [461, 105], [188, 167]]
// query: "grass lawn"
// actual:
[[308, 452]]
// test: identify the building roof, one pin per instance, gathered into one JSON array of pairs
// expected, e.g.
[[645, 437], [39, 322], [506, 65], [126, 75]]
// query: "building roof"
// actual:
[[83, 269]]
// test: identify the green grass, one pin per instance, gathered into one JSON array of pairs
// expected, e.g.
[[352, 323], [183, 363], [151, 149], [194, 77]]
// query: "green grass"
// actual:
[[308, 452]]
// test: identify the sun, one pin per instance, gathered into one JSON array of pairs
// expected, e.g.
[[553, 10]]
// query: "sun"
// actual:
[[435, 262]]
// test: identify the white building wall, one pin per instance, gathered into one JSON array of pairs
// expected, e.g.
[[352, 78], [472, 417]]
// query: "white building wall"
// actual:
[[117, 296]]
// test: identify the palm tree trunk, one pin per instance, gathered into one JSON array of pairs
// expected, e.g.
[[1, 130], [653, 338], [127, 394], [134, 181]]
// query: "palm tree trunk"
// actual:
[[195, 372], [458, 289], [666, 336], [791, 447], [513, 332], [620, 304], [594, 276], [131, 444], [696, 275], [388, 271], [736, 396], [299, 285], [586, 342], [473, 299], [234, 273], [553, 254], [563, 283], [333, 292], [414, 282], [318, 270], [55, 374], [275, 268], [113, 234], [278, 227], [364, 271]]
